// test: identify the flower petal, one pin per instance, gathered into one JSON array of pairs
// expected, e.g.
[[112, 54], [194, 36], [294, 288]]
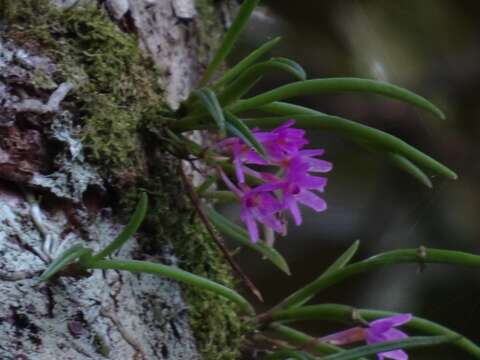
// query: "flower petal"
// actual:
[[317, 165], [230, 184], [251, 227], [394, 355], [292, 206], [345, 337], [393, 321], [311, 200]]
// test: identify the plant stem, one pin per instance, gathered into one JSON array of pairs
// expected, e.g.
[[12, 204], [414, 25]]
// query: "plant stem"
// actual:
[[218, 240]]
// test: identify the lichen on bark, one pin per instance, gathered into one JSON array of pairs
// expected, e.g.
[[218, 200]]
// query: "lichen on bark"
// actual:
[[116, 100]]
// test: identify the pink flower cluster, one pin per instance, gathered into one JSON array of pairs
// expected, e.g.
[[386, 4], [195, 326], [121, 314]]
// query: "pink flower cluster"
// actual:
[[291, 182]]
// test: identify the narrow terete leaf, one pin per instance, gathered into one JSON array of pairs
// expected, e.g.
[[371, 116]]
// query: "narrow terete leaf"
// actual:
[[177, 274], [237, 128], [344, 314], [294, 68], [230, 39], [223, 196], [237, 233], [412, 342], [340, 263], [288, 355], [284, 108], [129, 230], [302, 340], [245, 63], [252, 75], [209, 181], [410, 168], [359, 133], [67, 257], [404, 256], [345, 258], [334, 85], [210, 102]]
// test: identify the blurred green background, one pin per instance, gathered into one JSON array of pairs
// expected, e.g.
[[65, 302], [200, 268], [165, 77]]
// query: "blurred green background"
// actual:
[[433, 48]]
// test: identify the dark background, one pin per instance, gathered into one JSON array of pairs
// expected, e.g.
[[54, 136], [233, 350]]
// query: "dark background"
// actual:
[[433, 48]]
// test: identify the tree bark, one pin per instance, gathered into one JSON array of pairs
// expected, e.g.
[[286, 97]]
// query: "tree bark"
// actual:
[[79, 136]]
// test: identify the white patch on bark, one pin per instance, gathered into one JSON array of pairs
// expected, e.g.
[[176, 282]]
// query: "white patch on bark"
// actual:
[[118, 8], [170, 40]]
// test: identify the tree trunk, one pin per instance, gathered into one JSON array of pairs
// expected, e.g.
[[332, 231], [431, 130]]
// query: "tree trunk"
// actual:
[[85, 92]]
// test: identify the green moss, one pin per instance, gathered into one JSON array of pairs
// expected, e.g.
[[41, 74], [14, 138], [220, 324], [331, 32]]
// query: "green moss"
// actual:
[[119, 100], [115, 85], [217, 326]]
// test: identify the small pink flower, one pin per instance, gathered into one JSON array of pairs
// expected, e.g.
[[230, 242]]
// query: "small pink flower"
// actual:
[[256, 205], [282, 141], [241, 154], [292, 184], [378, 331], [296, 188]]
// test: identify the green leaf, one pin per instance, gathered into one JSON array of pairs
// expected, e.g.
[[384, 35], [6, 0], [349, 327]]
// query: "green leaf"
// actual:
[[410, 168], [337, 265], [177, 274], [129, 230], [73, 253], [230, 38], [333, 85], [284, 108], [245, 63], [237, 128], [302, 340], [281, 108], [412, 342], [223, 196], [252, 75], [345, 258], [209, 181], [405, 256], [291, 66], [211, 104], [309, 118], [288, 355], [239, 234], [344, 314], [361, 133]]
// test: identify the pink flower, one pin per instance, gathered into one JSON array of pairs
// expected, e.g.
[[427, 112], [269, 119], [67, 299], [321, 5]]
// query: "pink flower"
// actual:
[[378, 331], [293, 183], [241, 154], [256, 205], [282, 141], [296, 188]]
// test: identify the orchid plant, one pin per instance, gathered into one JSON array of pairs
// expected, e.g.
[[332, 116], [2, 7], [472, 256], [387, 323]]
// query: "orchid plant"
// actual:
[[265, 163]]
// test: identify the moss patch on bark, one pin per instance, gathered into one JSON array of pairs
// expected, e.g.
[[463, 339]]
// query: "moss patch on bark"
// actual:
[[114, 84]]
